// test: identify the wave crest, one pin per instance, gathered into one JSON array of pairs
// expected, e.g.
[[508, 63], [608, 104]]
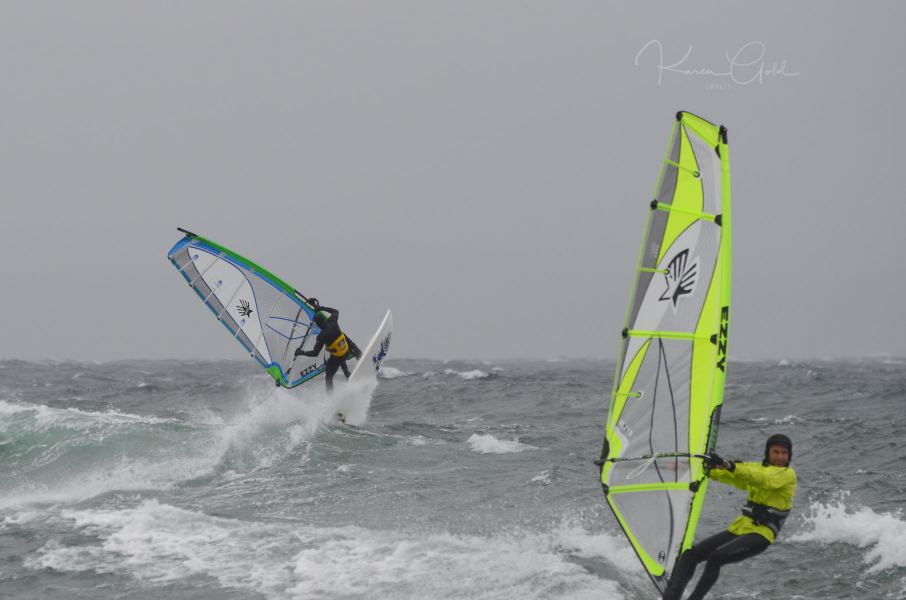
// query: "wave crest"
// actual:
[[393, 373], [488, 444], [881, 533], [467, 375]]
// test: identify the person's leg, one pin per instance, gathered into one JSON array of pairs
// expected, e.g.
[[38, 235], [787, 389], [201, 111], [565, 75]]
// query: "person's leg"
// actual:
[[743, 547], [685, 566], [333, 363], [345, 368]]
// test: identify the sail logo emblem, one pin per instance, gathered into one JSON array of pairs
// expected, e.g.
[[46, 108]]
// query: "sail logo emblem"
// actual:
[[308, 370], [382, 353], [681, 277], [721, 339], [244, 308]]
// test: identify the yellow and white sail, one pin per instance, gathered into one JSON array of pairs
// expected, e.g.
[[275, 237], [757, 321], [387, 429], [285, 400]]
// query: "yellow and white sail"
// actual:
[[669, 383]]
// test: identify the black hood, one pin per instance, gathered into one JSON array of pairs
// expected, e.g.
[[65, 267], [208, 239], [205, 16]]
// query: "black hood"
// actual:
[[778, 439]]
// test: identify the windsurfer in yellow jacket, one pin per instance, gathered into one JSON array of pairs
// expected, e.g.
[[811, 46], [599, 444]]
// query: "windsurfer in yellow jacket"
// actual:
[[339, 347], [771, 485]]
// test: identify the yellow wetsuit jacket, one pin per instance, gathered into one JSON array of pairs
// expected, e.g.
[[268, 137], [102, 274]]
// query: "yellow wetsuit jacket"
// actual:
[[766, 484]]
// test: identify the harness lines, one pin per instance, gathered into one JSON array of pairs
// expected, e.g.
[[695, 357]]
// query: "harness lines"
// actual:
[[762, 514]]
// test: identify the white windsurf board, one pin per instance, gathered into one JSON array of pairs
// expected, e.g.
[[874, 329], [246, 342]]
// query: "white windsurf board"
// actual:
[[375, 352]]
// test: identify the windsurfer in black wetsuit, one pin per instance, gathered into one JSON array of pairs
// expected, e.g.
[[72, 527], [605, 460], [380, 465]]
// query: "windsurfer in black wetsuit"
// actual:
[[340, 347], [771, 485]]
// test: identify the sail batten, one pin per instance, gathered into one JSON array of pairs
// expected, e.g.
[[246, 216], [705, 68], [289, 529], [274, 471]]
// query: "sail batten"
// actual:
[[668, 386]]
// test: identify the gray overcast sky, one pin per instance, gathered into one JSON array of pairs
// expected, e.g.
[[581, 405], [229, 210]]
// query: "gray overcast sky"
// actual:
[[481, 168]]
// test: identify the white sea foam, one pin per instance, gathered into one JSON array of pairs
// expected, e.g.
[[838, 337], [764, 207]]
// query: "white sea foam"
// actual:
[[280, 427], [20, 518], [272, 430], [488, 444], [789, 419], [44, 417], [49, 437], [160, 472], [881, 533], [420, 441], [286, 422], [313, 406], [544, 478], [611, 548], [473, 374], [12, 408], [393, 373], [160, 543]]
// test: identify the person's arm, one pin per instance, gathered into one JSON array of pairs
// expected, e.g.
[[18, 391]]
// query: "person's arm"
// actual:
[[334, 313], [760, 476], [727, 476], [313, 352]]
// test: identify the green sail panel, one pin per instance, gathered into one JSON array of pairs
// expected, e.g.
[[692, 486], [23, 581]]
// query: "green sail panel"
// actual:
[[668, 387], [267, 316]]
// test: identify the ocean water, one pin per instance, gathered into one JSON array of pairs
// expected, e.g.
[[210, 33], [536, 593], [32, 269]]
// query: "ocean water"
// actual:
[[468, 480]]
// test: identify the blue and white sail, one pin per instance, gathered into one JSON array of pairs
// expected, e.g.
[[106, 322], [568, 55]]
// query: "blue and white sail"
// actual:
[[267, 316]]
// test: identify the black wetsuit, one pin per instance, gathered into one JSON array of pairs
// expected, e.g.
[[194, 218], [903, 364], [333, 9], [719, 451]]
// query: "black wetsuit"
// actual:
[[718, 550], [339, 347]]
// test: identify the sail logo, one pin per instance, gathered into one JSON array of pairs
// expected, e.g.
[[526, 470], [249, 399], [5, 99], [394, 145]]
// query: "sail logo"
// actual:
[[681, 277], [722, 338], [382, 353], [244, 308], [312, 368]]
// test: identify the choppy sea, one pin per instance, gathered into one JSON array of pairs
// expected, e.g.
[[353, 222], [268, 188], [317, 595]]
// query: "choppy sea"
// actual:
[[468, 480]]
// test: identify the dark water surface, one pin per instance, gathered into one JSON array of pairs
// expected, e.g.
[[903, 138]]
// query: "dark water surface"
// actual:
[[470, 480]]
